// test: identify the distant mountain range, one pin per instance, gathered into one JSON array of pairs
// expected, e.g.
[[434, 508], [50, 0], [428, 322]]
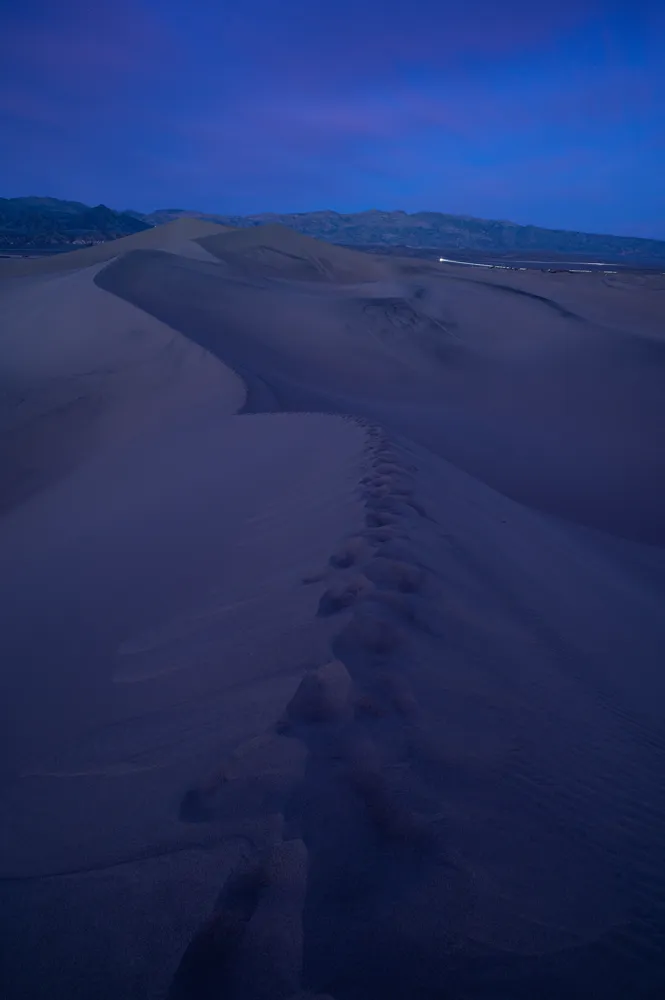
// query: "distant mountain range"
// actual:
[[437, 230], [48, 222]]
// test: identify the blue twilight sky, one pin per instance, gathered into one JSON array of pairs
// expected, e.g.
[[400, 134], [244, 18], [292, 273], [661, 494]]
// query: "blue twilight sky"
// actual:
[[551, 113]]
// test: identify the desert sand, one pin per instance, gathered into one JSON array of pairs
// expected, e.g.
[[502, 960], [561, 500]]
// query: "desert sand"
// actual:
[[332, 625]]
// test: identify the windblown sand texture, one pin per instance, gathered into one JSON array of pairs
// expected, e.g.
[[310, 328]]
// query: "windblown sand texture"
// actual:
[[332, 625]]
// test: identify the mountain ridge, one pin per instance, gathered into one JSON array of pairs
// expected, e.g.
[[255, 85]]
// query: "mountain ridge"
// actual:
[[433, 230], [51, 223], [33, 222]]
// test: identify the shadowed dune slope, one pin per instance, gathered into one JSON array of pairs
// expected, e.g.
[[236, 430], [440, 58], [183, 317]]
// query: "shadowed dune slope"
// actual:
[[552, 408]]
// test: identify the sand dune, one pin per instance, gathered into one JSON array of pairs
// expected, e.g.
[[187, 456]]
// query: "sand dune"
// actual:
[[515, 386], [83, 371], [178, 237], [278, 252], [332, 617]]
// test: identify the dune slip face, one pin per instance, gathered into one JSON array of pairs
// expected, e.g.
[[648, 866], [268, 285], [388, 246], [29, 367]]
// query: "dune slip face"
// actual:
[[332, 617]]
